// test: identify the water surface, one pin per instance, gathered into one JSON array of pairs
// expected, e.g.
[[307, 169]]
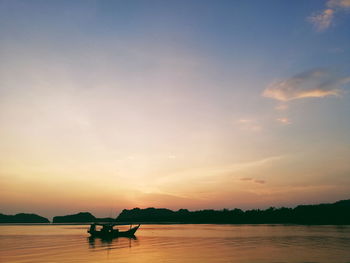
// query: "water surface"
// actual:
[[178, 243]]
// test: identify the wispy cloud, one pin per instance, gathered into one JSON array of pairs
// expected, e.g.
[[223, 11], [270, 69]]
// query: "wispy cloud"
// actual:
[[246, 179], [257, 181], [323, 19], [281, 107], [284, 121], [250, 125], [201, 177], [339, 3], [310, 84]]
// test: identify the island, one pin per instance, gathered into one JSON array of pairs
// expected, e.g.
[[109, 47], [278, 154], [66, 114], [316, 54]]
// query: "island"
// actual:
[[82, 217], [23, 218]]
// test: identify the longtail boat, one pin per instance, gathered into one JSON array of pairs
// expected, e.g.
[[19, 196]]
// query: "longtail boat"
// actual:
[[107, 231]]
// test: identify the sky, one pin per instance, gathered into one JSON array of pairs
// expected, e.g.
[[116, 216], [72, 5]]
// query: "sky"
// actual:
[[106, 105]]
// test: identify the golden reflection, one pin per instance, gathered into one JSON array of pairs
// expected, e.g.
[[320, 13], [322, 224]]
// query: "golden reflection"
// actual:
[[178, 243]]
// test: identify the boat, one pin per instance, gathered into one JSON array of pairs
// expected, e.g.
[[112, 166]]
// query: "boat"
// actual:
[[108, 232]]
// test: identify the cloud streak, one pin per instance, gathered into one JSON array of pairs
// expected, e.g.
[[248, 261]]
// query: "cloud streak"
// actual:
[[246, 179], [257, 181], [310, 84]]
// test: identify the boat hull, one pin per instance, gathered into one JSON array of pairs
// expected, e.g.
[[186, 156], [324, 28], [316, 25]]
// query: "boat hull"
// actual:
[[114, 233]]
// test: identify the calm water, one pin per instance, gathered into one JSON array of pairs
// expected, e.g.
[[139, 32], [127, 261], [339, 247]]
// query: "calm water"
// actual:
[[178, 243]]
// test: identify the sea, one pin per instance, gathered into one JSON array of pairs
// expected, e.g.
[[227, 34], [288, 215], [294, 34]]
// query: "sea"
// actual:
[[178, 243]]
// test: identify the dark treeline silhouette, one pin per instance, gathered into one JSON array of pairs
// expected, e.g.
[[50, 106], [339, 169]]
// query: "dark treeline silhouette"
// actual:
[[82, 217], [333, 214], [337, 213], [23, 218]]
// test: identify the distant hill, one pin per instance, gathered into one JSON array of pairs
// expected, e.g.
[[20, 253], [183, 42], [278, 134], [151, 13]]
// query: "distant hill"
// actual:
[[82, 217], [336, 214], [23, 218]]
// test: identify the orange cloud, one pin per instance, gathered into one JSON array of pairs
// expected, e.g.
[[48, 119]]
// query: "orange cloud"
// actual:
[[311, 84]]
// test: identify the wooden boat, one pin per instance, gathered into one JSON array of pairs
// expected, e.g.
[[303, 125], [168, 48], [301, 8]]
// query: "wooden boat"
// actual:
[[107, 231]]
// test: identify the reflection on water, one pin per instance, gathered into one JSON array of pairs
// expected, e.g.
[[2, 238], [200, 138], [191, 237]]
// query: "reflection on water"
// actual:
[[178, 243], [111, 243]]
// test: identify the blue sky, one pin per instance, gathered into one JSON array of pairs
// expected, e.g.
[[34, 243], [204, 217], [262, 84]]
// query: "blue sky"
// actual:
[[194, 104]]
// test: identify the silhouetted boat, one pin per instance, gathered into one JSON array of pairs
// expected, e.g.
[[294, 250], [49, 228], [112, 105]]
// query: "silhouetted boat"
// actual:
[[107, 231]]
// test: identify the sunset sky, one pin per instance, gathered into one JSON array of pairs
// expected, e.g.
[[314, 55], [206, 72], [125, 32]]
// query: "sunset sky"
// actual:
[[106, 105]]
